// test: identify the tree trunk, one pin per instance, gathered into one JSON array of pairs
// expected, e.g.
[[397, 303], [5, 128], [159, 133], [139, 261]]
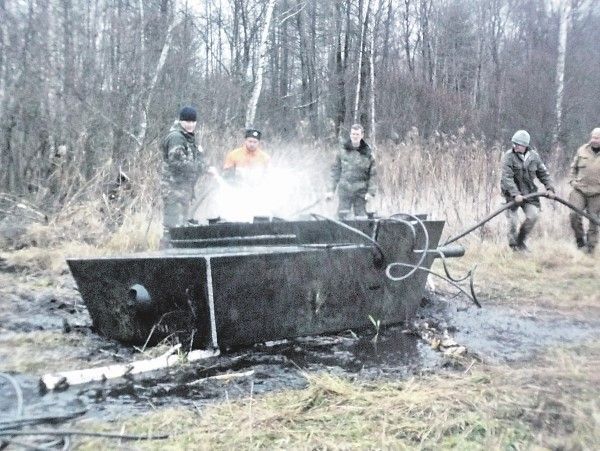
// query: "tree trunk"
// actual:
[[426, 47], [340, 112], [372, 84], [161, 62], [565, 18], [359, 80], [407, 34], [262, 58]]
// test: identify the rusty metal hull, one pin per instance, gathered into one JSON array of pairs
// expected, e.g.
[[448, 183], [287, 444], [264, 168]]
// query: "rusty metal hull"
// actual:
[[227, 285]]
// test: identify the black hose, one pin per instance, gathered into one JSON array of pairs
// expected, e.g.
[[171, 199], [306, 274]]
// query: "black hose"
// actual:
[[473, 296], [415, 267], [511, 204]]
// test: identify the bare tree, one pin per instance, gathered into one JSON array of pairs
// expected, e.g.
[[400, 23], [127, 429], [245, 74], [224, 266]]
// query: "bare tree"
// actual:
[[141, 137], [363, 33], [565, 18], [262, 58]]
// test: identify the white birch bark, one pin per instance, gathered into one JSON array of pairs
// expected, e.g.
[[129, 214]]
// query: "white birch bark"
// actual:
[[565, 19], [168, 359], [372, 84], [140, 138], [262, 60]]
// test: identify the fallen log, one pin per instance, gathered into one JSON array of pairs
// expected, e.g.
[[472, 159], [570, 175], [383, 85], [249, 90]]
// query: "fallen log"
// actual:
[[65, 379]]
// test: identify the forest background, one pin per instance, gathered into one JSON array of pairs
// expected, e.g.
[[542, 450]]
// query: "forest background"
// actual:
[[88, 88]]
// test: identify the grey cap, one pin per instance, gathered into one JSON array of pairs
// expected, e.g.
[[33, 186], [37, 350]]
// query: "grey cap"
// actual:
[[521, 137]]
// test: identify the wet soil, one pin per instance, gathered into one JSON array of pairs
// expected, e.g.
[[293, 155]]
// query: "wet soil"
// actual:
[[33, 303]]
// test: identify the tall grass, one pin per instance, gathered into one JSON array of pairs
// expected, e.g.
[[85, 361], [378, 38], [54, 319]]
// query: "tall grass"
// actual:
[[455, 178]]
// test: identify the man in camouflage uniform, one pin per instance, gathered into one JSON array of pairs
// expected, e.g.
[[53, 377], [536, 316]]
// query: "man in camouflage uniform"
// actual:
[[183, 162], [585, 181], [353, 174], [520, 166]]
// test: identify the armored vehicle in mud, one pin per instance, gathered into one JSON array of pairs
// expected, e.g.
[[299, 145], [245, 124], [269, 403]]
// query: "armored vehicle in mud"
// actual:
[[230, 284]]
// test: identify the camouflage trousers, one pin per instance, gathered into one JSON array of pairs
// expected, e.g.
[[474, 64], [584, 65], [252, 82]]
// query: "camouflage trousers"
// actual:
[[591, 204], [517, 234], [177, 200], [348, 201]]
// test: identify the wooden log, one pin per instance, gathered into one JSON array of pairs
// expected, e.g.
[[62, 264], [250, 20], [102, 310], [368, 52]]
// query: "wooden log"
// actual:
[[76, 377]]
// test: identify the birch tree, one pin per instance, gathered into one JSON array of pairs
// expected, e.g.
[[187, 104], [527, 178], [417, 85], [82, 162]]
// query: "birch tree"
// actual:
[[565, 18], [372, 78], [140, 138], [262, 61]]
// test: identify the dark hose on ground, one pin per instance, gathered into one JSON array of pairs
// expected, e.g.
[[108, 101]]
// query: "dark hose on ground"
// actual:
[[592, 218]]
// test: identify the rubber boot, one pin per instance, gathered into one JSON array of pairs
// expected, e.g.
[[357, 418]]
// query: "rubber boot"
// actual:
[[580, 242], [520, 244]]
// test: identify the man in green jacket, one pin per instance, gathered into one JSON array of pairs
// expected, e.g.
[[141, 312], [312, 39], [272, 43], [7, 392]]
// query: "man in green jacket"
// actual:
[[183, 162], [585, 181], [520, 166], [353, 174]]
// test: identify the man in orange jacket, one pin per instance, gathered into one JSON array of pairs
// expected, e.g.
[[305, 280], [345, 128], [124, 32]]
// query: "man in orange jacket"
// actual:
[[246, 164]]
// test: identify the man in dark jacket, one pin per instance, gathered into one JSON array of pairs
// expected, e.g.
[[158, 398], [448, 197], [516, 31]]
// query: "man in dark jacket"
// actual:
[[353, 174], [183, 162], [520, 166]]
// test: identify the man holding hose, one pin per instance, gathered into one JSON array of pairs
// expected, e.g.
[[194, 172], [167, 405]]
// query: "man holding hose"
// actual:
[[521, 165]]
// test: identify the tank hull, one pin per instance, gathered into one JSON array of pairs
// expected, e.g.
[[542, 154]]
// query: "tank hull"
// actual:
[[226, 285]]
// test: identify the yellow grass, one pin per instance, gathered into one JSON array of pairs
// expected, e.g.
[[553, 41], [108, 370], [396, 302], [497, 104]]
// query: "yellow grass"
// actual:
[[554, 275]]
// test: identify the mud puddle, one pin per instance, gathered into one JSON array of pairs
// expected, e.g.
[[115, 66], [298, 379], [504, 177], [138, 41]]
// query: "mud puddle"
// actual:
[[250, 371], [498, 334], [493, 334]]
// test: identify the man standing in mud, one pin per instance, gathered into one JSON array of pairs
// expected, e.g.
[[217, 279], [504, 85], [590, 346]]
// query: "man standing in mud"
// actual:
[[520, 166], [585, 181], [183, 162], [353, 174]]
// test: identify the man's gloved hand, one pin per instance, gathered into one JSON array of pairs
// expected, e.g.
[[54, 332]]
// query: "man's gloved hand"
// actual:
[[329, 195], [211, 170], [550, 194], [519, 198], [369, 196]]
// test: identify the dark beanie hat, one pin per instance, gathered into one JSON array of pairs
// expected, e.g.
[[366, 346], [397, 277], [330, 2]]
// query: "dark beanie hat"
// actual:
[[187, 113], [252, 133]]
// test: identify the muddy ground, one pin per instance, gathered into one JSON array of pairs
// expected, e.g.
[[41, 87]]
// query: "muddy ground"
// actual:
[[44, 327]]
